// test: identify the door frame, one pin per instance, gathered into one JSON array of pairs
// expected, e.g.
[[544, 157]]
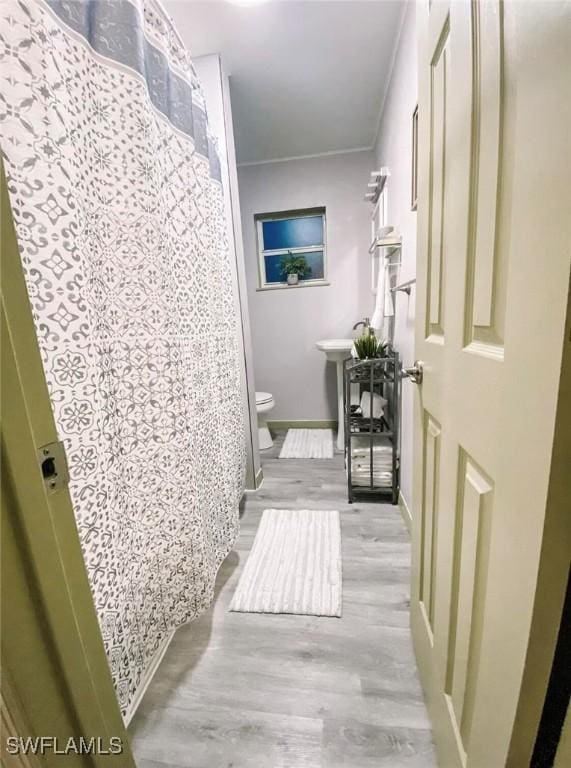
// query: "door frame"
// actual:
[[54, 664], [553, 575]]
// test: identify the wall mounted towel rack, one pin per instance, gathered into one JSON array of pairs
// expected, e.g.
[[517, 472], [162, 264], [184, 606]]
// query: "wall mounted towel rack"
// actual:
[[392, 243], [404, 287], [376, 184]]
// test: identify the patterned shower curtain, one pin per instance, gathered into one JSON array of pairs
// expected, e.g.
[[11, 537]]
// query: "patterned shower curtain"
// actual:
[[114, 181]]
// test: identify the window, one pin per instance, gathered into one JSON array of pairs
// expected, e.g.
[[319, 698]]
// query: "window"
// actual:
[[291, 234]]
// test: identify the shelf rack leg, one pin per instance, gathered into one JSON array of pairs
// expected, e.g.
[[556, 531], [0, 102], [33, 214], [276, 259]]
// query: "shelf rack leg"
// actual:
[[340, 408]]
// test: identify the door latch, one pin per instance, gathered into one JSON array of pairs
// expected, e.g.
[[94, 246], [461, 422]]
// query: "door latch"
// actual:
[[415, 373], [53, 465]]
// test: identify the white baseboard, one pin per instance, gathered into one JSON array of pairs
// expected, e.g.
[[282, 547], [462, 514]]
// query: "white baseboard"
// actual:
[[149, 674], [405, 512], [303, 424]]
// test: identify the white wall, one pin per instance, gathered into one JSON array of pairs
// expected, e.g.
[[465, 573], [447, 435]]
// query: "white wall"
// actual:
[[287, 323], [394, 149], [215, 87]]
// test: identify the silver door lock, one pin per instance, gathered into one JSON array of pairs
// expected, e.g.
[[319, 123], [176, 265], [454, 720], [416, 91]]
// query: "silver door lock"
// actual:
[[414, 373]]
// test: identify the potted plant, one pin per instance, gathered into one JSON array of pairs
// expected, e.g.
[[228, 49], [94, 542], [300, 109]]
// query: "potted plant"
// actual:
[[294, 267], [367, 346]]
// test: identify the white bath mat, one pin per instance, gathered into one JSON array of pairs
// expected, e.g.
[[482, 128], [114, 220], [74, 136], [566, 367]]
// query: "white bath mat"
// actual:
[[294, 565], [308, 444]]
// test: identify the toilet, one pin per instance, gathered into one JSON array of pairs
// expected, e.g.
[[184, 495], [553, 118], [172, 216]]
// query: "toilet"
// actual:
[[264, 404]]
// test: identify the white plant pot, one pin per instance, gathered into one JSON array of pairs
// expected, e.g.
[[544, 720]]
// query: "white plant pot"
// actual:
[[292, 279]]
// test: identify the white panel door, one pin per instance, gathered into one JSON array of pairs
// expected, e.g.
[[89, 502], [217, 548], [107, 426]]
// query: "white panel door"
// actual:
[[492, 293]]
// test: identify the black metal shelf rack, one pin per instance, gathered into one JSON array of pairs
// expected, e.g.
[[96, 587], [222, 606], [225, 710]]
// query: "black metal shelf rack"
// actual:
[[365, 434]]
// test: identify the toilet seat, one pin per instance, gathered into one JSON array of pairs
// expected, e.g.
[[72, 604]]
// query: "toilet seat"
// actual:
[[263, 397]]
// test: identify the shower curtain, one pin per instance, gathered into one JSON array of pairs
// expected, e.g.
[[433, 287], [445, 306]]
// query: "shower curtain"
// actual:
[[114, 181]]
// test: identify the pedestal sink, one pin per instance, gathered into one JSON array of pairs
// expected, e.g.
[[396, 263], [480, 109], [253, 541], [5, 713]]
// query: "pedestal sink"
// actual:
[[338, 350]]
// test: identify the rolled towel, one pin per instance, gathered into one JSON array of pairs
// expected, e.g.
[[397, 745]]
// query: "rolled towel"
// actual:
[[378, 466], [363, 470], [364, 450], [379, 459], [361, 446], [381, 479], [381, 482], [366, 472]]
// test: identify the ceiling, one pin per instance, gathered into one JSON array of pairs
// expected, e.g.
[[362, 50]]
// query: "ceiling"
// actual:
[[306, 76]]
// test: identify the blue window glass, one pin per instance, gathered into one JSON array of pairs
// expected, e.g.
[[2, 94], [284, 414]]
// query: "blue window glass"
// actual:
[[315, 262], [273, 265], [292, 233], [274, 269], [302, 233]]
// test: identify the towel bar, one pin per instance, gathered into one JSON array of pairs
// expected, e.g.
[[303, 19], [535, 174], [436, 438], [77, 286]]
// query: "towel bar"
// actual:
[[404, 287]]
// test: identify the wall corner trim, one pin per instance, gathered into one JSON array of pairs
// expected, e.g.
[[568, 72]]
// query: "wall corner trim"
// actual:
[[406, 513], [329, 153], [148, 676]]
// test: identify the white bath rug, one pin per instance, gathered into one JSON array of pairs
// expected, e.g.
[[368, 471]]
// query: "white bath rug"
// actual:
[[308, 444], [294, 565]]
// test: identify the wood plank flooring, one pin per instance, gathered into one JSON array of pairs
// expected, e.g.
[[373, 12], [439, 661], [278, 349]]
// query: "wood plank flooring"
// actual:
[[238, 690]]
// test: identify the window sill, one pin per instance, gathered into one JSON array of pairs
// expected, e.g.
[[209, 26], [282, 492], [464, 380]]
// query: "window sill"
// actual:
[[285, 286]]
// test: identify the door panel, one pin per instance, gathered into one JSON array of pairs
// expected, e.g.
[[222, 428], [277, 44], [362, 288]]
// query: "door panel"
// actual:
[[439, 78], [490, 329], [469, 572], [485, 290], [429, 521]]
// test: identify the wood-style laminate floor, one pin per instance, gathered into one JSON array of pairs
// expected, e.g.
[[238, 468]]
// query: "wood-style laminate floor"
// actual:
[[238, 690]]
